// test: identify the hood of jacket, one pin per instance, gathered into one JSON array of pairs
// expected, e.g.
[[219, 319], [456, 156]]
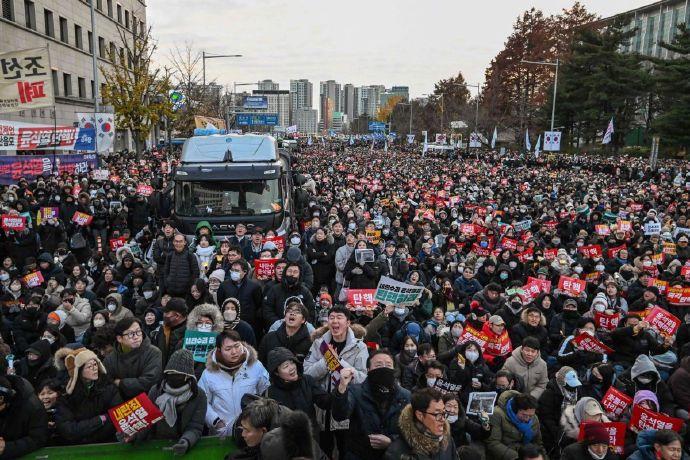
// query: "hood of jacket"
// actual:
[[212, 364], [203, 224], [209, 310], [643, 364], [117, 298], [645, 442], [517, 354], [505, 396], [523, 318], [420, 443]]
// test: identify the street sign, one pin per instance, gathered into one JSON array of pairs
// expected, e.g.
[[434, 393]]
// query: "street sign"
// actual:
[[475, 141], [377, 126], [255, 102], [256, 119], [458, 124]]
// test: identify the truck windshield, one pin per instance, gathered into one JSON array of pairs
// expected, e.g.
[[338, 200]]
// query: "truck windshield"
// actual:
[[247, 198]]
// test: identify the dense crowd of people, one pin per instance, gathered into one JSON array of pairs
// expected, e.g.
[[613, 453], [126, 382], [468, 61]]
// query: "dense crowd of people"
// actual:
[[552, 305]]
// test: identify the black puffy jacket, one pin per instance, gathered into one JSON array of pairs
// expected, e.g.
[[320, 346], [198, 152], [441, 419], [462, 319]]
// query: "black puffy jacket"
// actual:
[[24, 424], [181, 270]]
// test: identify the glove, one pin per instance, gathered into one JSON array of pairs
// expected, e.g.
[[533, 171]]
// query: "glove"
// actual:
[[181, 447]]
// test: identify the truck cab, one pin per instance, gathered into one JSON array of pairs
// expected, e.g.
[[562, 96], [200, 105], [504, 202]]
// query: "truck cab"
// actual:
[[226, 179]]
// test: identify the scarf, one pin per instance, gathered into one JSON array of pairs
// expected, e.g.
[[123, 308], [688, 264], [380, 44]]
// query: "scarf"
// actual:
[[525, 428], [231, 367], [168, 401]]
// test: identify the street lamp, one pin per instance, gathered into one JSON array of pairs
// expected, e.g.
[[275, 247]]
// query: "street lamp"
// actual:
[[205, 55], [555, 84]]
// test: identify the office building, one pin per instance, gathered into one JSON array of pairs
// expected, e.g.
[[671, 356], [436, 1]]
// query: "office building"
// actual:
[[339, 122], [369, 99], [350, 105], [402, 93], [329, 101], [278, 102], [268, 85], [66, 26], [307, 120], [300, 96]]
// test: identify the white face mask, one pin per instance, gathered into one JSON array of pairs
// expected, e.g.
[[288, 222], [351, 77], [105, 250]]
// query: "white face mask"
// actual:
[[229, 315], [512, 264], [294, 241], [455, 332], [100, 322], [399, 311], [4, 277], [452, 419], [148, 294], [112, 307], [599, 268], [235, 276], [204, 327], [577, 270], [430, 381], [50, 339], [600, 308], [647, 263], [472, 355]]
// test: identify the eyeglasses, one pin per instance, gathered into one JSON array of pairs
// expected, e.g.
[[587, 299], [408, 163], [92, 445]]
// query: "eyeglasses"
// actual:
[[131, 335], [92, 365], [439, 417]]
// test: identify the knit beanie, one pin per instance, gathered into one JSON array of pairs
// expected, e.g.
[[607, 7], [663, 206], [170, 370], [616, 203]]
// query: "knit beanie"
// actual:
[[595, 433], [181, 362], [218, 274]]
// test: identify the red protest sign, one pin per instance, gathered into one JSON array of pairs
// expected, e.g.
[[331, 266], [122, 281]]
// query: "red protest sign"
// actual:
[[616, 432], [543, 285], [499, 346], [471, 334], [593, 251], [12, 222], [645, 419], [615, 401], [467, 229], [116, 243], [550, 254], [613, 252], [81, 218], [33, 280], [480, 251], [264, 268], [678, 296], [608, 322], [509, 243], [135, 415], [624, 226], [361, 298], [279, 241], [525, 256], [685, 272], [144, 190], [661, 320], [572, 286], [602, 229], [591, 343]]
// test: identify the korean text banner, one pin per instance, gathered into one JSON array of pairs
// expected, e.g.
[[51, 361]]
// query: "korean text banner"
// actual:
[[31, 166], [16, 135], [392, 292], [25, 80]]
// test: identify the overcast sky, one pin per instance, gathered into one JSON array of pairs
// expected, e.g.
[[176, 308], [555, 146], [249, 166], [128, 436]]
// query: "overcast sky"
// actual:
[[389, 42]]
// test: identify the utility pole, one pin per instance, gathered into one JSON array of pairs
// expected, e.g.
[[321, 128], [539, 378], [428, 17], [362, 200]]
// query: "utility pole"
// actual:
[[555, 84]]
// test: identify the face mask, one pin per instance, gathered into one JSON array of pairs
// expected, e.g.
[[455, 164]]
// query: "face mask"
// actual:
[[437, 268], [556, 241], [175, 380], [235, 276], [577, 270], [399, 311], [472, 355], [595, 456], [49, 339], [16, 287], [515, 305], [291, 280], [111, 307], [503, 276], [411, 352], [484, 244], [599, 268], [294, 241], [580, 244], [644, 380], [229, 315], [382, 379], [430, 381], [512, 264], [4, 277], [455, 332], [100, 322], [148, 294], [600, 308], [452, 419], [647, 263], [204, 327]]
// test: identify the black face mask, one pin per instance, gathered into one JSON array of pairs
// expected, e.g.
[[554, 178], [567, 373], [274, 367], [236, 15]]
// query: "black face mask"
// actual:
[[176, 380], [291, 280], [382, 380], [570, 314]]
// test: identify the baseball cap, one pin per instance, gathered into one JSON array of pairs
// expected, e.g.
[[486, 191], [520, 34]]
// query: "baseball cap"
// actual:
[[571, 379], [495, 319]]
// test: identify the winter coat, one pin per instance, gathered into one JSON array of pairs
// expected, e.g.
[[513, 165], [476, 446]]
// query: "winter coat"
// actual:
[[170, 345], [369, 277], [549, 413], [43, 370], [27, 328], [120, 312], [342, 255], [491, 305], [469, 287], [224, 390], [248, 292], [162, 247], [570, 426], [301, 395], [464, 375], [628, 345], [275, 299], [354, 355], [321, 256], [505, 439], [299, 343], [534, 375], [523, 329], [627, 384], [51, 236], [578, 451], [77, 415], [680, 383], [138, 370], [24, 423], [413, 444], [180, 271], [79, 317], [645, 447], [359, 405], [411, 374], [190, 419]]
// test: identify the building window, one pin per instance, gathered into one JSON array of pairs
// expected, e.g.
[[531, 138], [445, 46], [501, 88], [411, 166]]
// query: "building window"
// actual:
[[112, 52], [78, 42], [56, 87], [8, 9], [119, 13], [49, 24], [67, 83], [650, 36], [64, 34], [110, 8], [101, 47], [90, 39], [134, 23], [99, 5], [81, 87], [126, 19], [141, 28], [30, 14], [123, 62], [93, 90]]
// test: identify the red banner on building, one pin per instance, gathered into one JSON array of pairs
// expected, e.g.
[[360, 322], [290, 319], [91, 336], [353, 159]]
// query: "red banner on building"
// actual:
[[135, 415]]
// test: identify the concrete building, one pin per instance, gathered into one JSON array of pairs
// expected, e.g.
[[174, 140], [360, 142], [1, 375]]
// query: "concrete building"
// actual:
[[268, 85], [329, 101], [66, 27], [402, 92], [300, 96], [350, 105], [307, 120], [339, 122], [654, 23], [369, 98], [278, 102]]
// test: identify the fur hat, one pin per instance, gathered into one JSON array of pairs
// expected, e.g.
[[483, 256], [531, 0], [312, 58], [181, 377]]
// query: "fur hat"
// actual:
[[73, 361]]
